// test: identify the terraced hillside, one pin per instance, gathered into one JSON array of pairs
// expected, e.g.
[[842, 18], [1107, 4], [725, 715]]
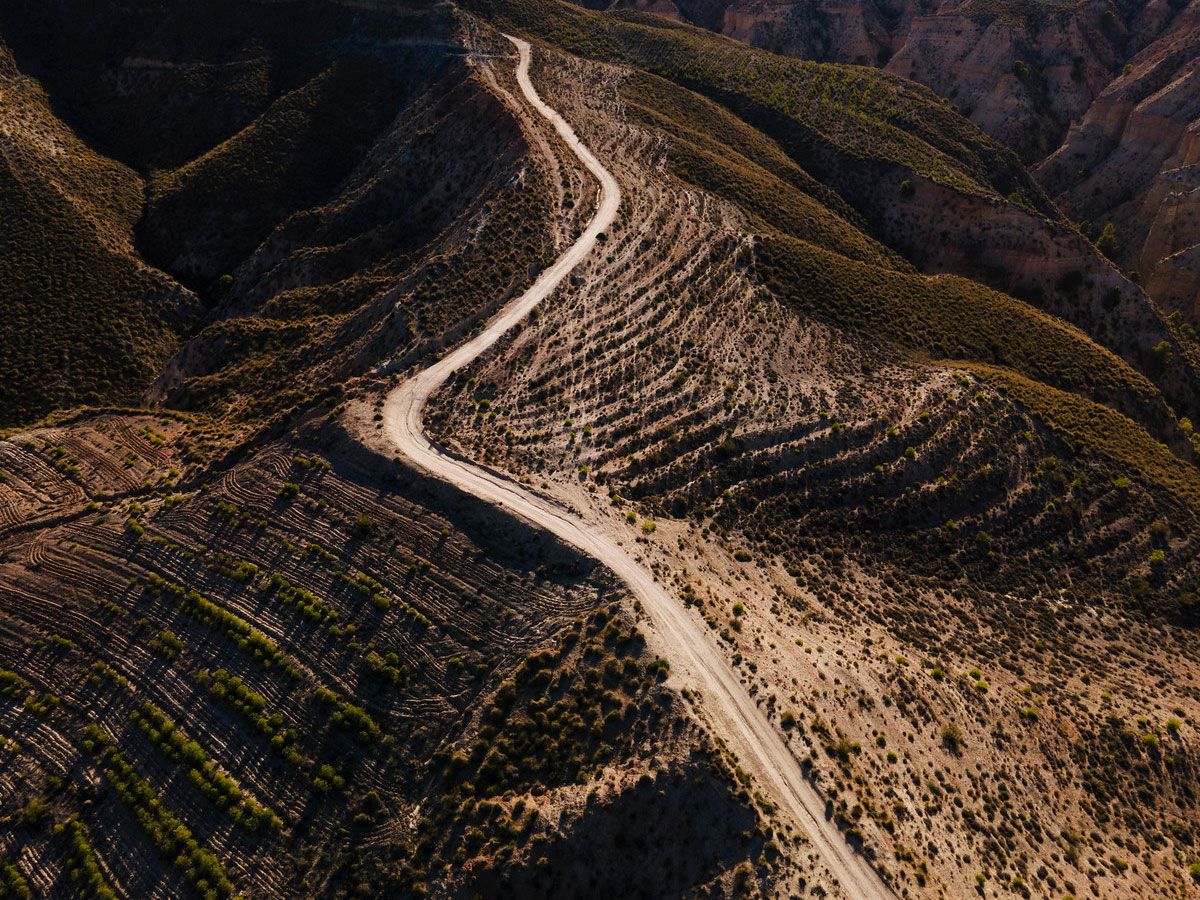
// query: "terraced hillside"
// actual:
[[924, 182], [198, 694], [1098, 98], [940, 578], [898, 438]]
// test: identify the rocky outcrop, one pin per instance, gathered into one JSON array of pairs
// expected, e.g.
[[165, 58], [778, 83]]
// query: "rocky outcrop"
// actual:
[[859, 33], [1174, 202], [1134, 161], [1021, 80], [1176, 282], [1021, 73]]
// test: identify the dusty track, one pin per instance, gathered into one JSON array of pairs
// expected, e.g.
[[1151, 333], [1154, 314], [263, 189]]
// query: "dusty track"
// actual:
[[695, 659]]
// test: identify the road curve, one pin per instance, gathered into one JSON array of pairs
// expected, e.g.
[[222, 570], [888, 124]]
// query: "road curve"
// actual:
[[695, 658]]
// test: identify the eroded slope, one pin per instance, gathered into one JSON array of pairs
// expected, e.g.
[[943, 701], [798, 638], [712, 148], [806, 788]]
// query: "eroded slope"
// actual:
[[1129, 164]]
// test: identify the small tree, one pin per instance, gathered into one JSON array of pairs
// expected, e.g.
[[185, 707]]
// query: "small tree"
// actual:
[[1161, 354], [952, 738]]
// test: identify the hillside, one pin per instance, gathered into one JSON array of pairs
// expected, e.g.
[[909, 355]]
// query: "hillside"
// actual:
[[939, 577], [297, 717], [1022, 71], [309, 144], [243, 654], [1099, 99], [891, 468], [86, 320], [910, 167]]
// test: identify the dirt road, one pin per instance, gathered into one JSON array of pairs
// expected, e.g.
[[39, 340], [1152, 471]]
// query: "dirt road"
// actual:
[[696, 661]]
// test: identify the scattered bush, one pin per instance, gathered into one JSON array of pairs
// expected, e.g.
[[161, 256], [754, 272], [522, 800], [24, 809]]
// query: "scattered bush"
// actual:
[[952, 738]]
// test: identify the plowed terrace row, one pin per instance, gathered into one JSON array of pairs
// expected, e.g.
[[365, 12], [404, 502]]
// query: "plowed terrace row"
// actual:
[[216, 701]]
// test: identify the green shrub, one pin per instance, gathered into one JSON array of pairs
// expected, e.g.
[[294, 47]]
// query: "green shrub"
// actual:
[[252, 706], [388, 668], [203, 771], [348, 716], [952, 738], [237, 629], [85, 865], [166, 644], [307, 603], [166, 831], [13, 884], [1107, 242]]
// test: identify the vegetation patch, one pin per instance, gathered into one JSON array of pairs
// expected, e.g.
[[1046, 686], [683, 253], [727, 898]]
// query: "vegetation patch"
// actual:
[[237, 629], [955, 318], [84, 867], [166, 831], [1084, 424], [203, 772]]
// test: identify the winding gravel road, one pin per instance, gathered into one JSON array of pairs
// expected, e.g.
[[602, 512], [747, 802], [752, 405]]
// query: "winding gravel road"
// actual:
[[696, 661]]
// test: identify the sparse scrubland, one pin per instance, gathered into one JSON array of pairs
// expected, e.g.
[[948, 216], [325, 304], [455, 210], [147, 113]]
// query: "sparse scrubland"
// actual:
[[841, 376], [951, 582]]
